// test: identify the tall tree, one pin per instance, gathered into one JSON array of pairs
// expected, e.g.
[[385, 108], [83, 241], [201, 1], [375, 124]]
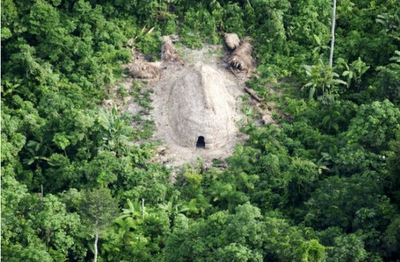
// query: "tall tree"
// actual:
[[98, 209], [333, 33]]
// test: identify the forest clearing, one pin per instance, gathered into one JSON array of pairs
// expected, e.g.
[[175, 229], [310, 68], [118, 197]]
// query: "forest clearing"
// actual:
[[195, 96]]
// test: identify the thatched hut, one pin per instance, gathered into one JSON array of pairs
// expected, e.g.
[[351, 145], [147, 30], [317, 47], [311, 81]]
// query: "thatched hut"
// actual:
[[200, 109], [232, 40], [241, 57]]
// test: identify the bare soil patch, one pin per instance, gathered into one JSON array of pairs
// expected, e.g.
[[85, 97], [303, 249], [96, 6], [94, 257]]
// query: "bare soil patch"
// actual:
[[172, 73]]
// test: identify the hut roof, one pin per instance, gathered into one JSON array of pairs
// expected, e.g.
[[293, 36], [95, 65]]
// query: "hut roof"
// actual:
[[232, 40], [199, 105], [241, 57]]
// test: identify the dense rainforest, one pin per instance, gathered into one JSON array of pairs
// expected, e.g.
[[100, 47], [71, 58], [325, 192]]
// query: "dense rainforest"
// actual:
[[321, 184]]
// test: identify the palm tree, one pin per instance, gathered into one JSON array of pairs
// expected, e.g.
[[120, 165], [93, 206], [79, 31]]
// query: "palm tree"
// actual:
[[116, 131], [173, 209], [321, 78]]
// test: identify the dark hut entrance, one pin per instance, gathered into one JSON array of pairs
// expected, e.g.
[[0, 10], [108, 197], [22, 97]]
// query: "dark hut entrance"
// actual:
[[200, 142]]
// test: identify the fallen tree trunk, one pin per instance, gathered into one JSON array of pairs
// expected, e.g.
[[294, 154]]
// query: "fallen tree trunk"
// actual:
[[252, 94]]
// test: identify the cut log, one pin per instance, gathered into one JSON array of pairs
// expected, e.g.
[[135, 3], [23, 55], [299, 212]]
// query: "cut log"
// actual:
[[252, 94]]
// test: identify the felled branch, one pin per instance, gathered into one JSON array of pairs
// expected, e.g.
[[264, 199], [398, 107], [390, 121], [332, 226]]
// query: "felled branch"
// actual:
[[252, 94]]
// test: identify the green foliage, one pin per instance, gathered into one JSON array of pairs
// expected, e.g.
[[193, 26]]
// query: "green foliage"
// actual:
[[396, 58], [98, 208], [11, 140], [348, 248], [58, 229], [374, 125], [243, 235], [265, 22], [390, 22], [302, 175], [115, 131], [354, 72], [322, 80], [330, 163], [149, 42], [43, 18], [394, 169], [311, 251], [194, 19], [388, 81], [193, 177], [392, 238], [137, 234], [37, 228], [334, 204], [9, 15], [233, 19]]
